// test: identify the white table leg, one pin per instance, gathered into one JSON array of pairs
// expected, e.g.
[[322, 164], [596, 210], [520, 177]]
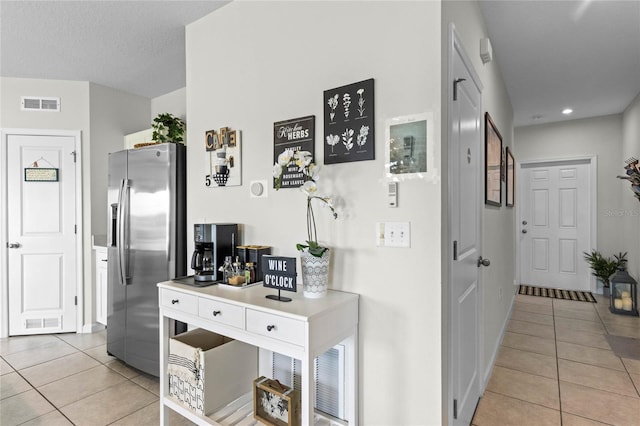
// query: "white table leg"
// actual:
[[308, 391], [164, 355]]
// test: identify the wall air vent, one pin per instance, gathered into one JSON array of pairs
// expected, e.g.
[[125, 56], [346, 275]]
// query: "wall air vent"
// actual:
[[35, 103]]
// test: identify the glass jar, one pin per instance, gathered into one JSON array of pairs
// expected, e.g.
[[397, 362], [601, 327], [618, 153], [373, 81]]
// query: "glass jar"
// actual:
[[249, 273], [237, 273], [227, 270]]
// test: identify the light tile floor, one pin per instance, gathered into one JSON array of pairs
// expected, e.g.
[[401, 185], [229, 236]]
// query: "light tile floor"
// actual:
[[65, 379], [556, 367]]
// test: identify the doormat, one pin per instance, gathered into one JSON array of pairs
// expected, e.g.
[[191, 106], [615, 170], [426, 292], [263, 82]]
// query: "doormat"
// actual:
[[555, 293]]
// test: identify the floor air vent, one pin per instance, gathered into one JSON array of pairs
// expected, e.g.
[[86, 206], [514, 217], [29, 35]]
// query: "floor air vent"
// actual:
[[34, 103], [43, 323], [329, 373]]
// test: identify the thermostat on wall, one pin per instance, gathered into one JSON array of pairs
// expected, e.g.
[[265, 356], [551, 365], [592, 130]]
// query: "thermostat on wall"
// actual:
[[393, 194], [258, 189]]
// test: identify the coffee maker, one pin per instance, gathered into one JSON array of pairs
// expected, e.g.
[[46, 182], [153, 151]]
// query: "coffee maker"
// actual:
[[213, 241]]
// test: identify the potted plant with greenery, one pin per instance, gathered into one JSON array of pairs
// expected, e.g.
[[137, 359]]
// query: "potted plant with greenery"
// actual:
[[168, 128], [314, 258], [603, 267]]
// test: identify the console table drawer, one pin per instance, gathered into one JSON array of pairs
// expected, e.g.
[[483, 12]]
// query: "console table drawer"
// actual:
[[180, 301], [275, 326], [221, 312]]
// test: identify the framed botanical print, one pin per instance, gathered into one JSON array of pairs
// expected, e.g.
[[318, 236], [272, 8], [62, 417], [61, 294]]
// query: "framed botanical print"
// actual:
[[349, 131], [493, 163]]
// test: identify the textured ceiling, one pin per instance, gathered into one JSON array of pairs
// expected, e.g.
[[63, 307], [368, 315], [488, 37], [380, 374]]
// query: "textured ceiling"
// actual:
[[133, 46], [583, 55]]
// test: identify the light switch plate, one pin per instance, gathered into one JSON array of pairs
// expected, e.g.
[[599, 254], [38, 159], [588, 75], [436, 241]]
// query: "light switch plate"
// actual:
[[393, 234]]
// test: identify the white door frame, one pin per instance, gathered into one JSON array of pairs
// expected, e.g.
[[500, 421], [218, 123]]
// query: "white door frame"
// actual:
[[455, 44], [593, 188], [4, 284]]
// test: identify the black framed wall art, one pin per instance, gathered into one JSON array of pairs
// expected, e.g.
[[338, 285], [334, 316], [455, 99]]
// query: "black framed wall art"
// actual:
[[348, 123], [296, 134], [493, 163], [510, 166]]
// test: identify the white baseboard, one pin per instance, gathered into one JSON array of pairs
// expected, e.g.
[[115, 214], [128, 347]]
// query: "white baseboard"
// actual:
[[494, 355], [92, 328]]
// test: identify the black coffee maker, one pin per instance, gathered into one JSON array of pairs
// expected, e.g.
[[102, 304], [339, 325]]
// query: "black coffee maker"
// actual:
[[212, 243]]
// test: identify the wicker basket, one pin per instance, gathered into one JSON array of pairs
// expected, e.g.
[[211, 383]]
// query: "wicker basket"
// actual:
[[143, 144]]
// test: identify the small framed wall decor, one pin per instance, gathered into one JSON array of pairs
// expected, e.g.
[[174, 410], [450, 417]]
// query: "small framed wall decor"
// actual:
[[297, 134], [493, 163], [223, 158], [511, 179], [409, 147], [349, 133]]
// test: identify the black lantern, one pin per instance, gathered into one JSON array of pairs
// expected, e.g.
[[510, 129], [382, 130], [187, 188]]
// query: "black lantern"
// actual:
[[623, 297]]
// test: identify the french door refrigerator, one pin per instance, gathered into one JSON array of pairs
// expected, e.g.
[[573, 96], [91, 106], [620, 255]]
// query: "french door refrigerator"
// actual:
[[146, 244]]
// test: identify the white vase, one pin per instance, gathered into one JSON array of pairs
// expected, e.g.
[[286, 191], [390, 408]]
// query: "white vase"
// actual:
[[315, 274]]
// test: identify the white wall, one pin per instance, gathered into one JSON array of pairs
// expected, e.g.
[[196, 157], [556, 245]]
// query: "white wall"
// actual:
[[630, 205], [113, 115], [104, 116], [173, 102], [498, 240], [73, 115], [278, 59], [597, 136]]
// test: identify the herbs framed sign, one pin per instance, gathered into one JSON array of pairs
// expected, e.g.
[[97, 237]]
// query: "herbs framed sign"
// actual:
[[297, 134], [348, 123]]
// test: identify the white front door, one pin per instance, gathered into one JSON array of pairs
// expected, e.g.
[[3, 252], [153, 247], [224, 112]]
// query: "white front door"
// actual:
[[555, 224], [41, 238], [465, 192]]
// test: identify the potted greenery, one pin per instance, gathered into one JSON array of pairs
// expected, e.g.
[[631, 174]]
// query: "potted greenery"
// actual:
[[604, 267], [168, 128]]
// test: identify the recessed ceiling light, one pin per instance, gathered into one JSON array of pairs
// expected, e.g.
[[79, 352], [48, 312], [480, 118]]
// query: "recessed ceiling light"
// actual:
[[567, 111]]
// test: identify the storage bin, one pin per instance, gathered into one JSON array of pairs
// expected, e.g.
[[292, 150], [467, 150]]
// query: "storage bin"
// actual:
[[207, 371]]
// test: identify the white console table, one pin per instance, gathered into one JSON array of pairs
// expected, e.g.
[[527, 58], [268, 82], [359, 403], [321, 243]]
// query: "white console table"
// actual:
[[302, 329]]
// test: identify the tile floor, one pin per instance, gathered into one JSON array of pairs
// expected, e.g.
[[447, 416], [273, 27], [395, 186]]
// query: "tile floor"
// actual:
[[65, 379], [556, 367]]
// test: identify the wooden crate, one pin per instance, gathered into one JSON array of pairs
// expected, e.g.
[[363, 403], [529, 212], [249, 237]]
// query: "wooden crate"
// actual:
[[274, 403]]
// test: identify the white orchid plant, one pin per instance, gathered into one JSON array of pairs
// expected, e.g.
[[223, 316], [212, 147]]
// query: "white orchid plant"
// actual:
[[310, 171]]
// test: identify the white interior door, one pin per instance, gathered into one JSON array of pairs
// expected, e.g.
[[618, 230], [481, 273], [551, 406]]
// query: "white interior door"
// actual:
[[41, 238], [555, 224], [466, 185]]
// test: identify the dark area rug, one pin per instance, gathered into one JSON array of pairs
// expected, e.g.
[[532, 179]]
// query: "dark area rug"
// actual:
[[555, 293]]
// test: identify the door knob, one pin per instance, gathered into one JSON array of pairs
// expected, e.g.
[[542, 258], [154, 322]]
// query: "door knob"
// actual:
[[13, 245], [483, 262], [524, 231], [524, 222]]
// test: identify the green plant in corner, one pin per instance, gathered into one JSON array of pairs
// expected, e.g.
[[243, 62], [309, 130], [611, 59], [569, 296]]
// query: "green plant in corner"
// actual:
[[302, 161], [168, 128], [604, 267]]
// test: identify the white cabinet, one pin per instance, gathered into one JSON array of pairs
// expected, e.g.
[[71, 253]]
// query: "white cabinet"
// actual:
[[302, 329], [100, 255]]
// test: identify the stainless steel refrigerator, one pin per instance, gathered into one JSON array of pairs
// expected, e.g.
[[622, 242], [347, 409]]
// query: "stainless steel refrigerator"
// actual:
[[146, 244]]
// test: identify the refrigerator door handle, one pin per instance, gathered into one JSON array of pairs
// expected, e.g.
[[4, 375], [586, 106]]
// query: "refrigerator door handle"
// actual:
[[123, 255]]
